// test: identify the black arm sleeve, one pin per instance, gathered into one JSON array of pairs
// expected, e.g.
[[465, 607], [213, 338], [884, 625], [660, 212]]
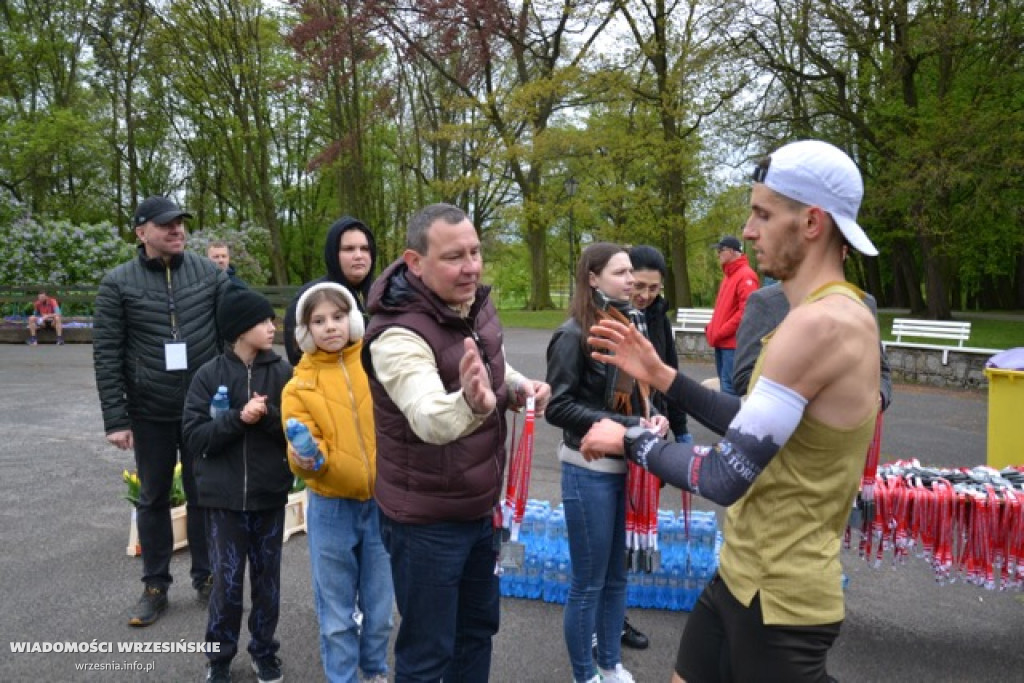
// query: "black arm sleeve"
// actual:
[[676, 415], [713, 409]]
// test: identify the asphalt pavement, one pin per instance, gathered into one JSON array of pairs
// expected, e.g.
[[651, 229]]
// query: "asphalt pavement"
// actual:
[[65, 577]]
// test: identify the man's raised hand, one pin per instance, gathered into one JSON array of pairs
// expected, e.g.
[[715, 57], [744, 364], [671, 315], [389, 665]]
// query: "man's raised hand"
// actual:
[[627, 349], [476, 384]]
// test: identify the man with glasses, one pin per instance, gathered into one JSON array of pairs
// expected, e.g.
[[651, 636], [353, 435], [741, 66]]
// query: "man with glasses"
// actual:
[[154, 325]]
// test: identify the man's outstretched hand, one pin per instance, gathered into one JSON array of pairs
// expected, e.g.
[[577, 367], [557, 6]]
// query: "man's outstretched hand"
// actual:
[[627, 349], [476, 383]]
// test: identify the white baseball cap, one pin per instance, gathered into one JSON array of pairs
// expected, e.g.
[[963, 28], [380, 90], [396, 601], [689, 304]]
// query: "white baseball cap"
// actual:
[[819, 174]]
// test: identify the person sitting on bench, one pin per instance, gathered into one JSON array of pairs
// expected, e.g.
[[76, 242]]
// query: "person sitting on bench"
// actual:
[[45, 313]]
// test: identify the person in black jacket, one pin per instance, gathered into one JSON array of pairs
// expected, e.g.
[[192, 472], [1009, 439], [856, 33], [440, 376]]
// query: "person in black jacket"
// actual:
[[154, 325], [584, 392], [243, 479], [350, 253], [649, 272]]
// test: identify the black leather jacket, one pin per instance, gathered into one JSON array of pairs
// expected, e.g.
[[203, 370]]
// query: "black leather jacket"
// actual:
[[581, 388]]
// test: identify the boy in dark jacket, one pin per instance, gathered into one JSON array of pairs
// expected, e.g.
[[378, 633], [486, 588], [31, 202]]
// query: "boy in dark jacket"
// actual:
[[243, 479]]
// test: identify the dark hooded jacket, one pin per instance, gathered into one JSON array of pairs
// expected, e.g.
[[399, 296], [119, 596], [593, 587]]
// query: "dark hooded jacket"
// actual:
[[360, 292]]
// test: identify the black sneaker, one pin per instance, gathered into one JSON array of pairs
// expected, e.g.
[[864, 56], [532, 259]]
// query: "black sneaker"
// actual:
[[268, 669], [633, 638], [218, 672], [149, 607], [204, 589]]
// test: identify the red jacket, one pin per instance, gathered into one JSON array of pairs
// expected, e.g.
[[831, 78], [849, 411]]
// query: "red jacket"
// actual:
[[740, 280]]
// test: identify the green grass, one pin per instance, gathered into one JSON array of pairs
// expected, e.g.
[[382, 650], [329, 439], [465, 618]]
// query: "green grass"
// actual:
[[537, 320], [985, 333]]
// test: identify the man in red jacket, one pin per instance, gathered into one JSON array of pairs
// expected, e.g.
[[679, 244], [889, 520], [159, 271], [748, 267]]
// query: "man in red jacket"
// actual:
[[740, 280]]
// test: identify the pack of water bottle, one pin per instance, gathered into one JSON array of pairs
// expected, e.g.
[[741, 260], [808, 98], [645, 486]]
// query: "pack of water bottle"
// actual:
[[689, 558]]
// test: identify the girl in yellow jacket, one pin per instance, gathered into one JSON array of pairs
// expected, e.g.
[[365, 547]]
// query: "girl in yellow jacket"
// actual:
[[330, 394]]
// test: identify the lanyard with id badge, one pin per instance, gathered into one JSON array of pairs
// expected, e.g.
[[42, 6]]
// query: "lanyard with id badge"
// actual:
[[175, 350], [508, 516]]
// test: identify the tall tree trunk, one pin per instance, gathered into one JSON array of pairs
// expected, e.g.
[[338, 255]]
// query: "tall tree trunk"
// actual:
[[936, 294], [873, 275], [540, 285], [1018, 301], [907, 290]]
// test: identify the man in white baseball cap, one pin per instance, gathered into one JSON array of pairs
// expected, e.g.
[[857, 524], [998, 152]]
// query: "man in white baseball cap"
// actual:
[[816, 173], [790, 460]]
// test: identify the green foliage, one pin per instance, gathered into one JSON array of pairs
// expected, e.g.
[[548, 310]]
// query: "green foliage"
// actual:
[[55, 252], [248, 245]]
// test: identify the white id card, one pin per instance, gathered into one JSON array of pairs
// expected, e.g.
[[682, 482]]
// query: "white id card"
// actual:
[[176, 355]]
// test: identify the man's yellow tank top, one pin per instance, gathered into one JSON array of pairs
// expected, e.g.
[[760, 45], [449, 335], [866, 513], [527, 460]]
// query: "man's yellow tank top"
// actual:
[[782, 537]]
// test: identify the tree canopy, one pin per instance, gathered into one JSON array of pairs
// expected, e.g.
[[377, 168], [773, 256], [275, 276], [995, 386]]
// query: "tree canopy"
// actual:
[[554, 123]]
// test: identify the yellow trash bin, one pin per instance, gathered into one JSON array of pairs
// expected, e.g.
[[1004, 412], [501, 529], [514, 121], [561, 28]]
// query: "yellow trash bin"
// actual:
[[1005, 411]]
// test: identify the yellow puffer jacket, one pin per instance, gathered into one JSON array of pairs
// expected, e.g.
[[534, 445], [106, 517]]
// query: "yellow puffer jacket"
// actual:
[[330, 394]]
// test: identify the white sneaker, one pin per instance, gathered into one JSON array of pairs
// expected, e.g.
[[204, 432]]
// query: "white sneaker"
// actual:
[[379, 678], [616, 675], [595, 679]]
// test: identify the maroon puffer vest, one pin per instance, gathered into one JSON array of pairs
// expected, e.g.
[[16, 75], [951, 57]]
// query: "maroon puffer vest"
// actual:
[[418, 482]]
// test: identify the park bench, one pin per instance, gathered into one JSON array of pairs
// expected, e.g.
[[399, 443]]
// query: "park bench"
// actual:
[[947, 330], [692, 319], [17, 299]]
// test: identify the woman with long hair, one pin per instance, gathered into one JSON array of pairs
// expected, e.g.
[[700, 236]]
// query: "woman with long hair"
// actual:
[[583, 392]]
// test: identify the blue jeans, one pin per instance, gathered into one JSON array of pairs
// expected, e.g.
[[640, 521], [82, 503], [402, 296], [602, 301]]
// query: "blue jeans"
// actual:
[[595, 519], [350, 568], [723, 365], [447, 595]]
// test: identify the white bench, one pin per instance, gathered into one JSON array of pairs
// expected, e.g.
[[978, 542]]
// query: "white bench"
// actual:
[[956, 331], [692, 319]]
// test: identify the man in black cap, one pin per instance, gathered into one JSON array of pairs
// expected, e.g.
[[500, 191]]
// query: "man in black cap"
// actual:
[[154, 326], [740, 281]]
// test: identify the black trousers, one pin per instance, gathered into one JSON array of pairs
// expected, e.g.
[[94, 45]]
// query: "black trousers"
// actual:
[[234, 537], [157, 446], [725, 642]]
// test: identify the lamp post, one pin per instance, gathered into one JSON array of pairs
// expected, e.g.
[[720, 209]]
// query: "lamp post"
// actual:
[[570, 189]]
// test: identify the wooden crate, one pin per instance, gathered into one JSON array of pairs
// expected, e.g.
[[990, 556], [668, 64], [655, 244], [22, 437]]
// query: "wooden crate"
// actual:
[[178, 523]]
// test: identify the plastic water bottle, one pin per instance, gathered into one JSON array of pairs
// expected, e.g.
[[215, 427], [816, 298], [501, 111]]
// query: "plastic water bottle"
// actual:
[[563, 579], [675, 587], [549, 580], [303, 442], [220, 403]]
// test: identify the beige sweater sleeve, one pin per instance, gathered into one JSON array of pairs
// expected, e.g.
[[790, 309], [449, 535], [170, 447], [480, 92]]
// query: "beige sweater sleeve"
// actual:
[[405, 367]]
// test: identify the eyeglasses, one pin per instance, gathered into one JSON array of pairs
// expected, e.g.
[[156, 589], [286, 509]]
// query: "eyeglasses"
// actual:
[[653, 288]]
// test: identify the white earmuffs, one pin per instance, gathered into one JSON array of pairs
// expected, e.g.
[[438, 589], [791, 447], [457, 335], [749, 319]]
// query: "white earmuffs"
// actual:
[[356, 327]]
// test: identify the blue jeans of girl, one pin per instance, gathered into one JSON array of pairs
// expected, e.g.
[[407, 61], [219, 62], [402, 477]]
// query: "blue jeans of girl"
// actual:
[[350, 569], [595, 518]]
